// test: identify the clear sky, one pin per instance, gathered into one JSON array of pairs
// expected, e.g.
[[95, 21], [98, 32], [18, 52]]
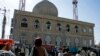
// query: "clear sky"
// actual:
[[88, 11]]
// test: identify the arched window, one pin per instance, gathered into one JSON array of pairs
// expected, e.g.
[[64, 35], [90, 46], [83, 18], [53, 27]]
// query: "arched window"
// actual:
[[76, 42], [24, 22], [48, 40], [68, 42], [36, 24], [90, 30], [23, 36], [59, 27], [68, 27], [58, 41], [84, 43], [11, 31], [90, 42], [76, 28], [84, 30], [48, 25]]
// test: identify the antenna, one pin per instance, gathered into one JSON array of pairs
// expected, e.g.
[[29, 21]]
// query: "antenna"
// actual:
[[4, 22], [22, 5], [75, 9]]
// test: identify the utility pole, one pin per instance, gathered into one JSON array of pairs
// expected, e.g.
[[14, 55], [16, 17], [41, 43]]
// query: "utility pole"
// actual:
[[75, 9], [4, 22], [22, 5]]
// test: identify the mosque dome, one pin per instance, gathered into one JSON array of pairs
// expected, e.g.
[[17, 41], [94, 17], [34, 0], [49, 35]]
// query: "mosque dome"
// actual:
[[45, 7]]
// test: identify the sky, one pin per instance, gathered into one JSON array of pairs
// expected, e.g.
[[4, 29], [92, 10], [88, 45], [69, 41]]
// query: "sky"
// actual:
[[88, 11]]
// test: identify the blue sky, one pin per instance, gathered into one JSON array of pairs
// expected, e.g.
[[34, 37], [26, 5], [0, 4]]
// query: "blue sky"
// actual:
[[88, 11]]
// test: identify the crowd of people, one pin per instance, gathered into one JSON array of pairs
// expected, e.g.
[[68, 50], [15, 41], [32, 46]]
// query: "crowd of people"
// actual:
[[39, 50]]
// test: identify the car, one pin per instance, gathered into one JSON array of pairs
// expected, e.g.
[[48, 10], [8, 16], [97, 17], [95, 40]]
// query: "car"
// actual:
[[6, 53]]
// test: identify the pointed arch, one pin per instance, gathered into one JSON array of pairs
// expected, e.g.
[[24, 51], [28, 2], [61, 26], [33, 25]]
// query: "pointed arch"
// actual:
[[68, 41], [48, 25], [24, 19], [48, 39], [76, 28], [36, 24], [58, 26], [58, 41], [76, 42], [67, 27]]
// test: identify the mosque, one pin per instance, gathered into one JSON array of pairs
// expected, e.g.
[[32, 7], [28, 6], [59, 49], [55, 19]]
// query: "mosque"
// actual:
[[44, 22]]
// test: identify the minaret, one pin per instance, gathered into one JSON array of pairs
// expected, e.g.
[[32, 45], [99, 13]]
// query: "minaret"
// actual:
[[22, 5], [3, 24], [75, 9]]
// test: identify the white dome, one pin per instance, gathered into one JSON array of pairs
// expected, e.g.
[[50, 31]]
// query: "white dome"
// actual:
[[45, 8]]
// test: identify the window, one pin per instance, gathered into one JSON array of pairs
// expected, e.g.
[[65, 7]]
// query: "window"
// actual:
[[11, 31], [68, 27], [23, 36], [24, 23], [84, 30], [59, 27], [76, 29], [48, 39], [84, 43], [76, 42], [90, 30], [55, 42], [48, 25], [36, 24], [90, 42], [67, 41], [58, 41]]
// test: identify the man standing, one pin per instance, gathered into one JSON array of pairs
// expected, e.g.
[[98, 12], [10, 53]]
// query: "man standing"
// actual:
[[38, 49]]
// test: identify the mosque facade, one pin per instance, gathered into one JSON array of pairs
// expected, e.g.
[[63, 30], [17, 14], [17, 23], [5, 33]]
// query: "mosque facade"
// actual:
[[44, 22]]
